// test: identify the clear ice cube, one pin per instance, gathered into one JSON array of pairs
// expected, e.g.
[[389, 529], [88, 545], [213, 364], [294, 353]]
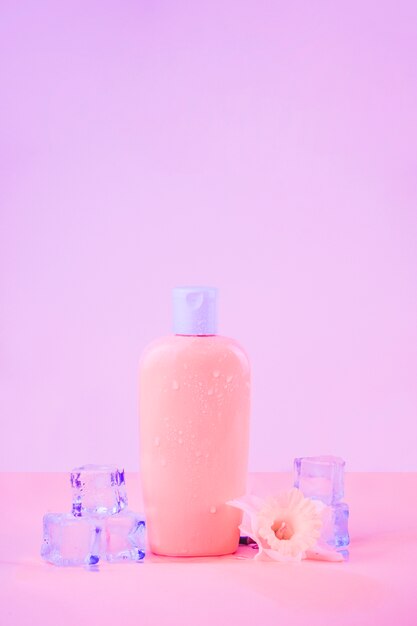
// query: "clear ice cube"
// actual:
[[320, 477], [335, 525], [125, 537], [69, 540], [98, 490]]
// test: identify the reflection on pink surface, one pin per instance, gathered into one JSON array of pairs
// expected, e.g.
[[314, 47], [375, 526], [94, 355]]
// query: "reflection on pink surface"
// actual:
[[376, 586]]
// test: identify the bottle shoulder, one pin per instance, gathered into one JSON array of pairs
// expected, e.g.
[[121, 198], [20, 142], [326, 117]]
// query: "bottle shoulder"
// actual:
[[174, 347]]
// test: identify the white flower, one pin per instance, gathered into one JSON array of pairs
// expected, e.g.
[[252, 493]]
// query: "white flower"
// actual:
[[286, 527]]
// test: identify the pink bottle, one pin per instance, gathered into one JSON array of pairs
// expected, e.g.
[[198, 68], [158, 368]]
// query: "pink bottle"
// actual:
[[194, 431]]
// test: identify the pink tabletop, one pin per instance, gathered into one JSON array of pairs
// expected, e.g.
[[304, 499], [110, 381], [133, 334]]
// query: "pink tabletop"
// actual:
[[377, 585]]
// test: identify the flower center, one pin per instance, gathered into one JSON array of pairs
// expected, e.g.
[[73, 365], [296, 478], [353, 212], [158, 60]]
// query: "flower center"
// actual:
[[282, 529]]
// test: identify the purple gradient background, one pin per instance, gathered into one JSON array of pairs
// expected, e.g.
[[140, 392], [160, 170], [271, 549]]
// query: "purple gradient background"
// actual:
[[267, 148]]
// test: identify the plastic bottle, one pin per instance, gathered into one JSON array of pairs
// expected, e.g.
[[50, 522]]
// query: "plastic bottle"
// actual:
[[194, 431]]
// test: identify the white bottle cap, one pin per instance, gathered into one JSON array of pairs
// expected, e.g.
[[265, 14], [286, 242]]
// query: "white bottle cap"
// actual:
[[195, 310]]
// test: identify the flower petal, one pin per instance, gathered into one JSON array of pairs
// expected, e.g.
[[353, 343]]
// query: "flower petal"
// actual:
[[261, 556], [295, 497], [255, 501], [247, 532], [276, 555]]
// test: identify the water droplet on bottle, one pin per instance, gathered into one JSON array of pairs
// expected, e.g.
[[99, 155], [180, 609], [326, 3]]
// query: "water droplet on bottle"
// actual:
[[210, 392], [157, 441], [213, 509], [175, 384], [180, 441], [198, 453], [216, 373], [229, 379], [163, 462], [180, 432]]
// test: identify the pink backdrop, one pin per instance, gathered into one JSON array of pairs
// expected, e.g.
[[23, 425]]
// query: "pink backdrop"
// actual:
[[268, 148]]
